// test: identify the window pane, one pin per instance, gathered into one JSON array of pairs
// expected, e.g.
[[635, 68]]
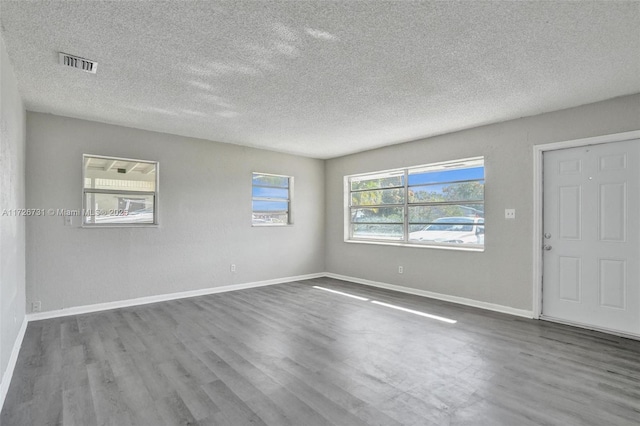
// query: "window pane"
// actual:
[[454, 230], [270, 180], [443, 202], [270, 206], [464, 191], [270, 218], [270, 199], [377, 181], [377, 197], [418, 177], [429, 214], [118, 208], [119, 175], [378, 232], [266, 192], [377, 215]]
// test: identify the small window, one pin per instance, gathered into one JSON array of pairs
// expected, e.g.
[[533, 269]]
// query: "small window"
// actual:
[[437, 205], [119, 191], [271, 199]]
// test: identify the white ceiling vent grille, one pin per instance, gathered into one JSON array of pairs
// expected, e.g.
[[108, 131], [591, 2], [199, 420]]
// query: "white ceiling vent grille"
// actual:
[[78, 62]]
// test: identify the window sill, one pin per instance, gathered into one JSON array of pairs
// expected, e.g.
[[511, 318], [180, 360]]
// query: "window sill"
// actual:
[[422, 246]]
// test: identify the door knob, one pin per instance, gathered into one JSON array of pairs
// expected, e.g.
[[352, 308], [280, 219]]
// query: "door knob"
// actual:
[[547, 235], [546, 247]]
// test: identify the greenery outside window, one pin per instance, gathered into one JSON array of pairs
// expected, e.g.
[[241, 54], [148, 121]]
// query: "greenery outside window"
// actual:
[[119, 191], [271, 199], [436, 205]]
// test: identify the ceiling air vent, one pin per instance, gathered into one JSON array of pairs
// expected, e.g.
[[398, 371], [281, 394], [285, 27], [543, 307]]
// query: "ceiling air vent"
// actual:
[[78, 62]]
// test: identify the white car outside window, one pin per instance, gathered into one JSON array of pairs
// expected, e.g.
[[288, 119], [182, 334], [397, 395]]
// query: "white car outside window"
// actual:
[[455, 230]]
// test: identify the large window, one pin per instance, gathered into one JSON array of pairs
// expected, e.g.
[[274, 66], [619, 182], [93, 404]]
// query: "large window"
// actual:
[[437, 204], [119, 191], [271, 199]]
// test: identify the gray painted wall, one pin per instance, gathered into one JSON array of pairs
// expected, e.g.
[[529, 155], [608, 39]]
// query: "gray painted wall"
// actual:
[[502, 274], [205, 212], [12, 193], [205, 217]]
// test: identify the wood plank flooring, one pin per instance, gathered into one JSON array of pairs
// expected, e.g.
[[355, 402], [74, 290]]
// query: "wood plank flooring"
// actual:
[[292, 354]]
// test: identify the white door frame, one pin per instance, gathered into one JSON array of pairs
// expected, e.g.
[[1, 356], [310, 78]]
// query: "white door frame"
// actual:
[[538, 151]]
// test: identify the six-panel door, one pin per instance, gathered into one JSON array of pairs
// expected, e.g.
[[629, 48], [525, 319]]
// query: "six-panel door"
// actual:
[[591, 236]]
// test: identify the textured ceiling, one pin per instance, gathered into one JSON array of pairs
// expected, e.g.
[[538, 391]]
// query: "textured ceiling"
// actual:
[[320, 78]]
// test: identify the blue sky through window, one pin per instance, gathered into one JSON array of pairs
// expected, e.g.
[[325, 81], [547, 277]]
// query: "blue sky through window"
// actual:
[[473, 173], [266, 192]]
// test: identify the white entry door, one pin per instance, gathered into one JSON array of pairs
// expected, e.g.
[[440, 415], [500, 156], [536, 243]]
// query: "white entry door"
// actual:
[[591, 273]]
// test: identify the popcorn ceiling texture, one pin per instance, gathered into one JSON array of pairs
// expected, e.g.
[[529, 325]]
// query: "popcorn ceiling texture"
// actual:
[[316, 78]]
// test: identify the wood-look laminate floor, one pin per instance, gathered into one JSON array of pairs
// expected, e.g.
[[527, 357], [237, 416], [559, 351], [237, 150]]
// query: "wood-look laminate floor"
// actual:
[[293, 354]]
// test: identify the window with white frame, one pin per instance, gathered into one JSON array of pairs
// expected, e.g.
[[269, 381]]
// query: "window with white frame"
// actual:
[[119, 191], [435, 204], [271, 199]]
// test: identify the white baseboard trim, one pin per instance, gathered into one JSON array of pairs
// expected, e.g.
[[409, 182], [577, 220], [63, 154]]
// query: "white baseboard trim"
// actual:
[[86, 309], [448, 298], [13, 359], [77, 310]]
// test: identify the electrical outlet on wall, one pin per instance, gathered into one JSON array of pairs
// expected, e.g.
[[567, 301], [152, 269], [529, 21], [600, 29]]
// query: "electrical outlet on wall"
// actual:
[[401, 269], [509, 213], [233, 267], [36, 306]]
